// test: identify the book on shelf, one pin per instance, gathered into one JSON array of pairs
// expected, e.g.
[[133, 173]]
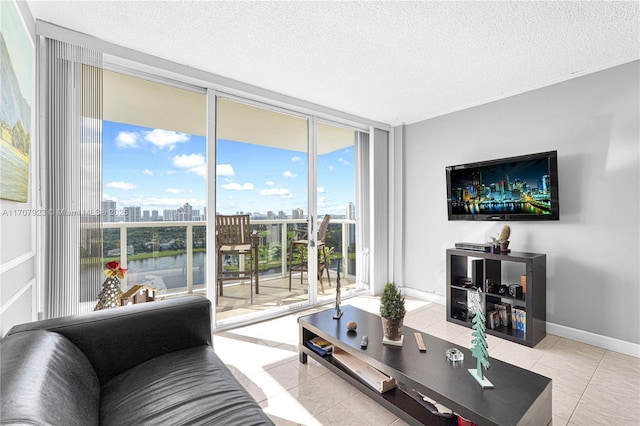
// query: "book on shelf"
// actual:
[[504, 309], [519, 319], [493, 319], [320, 346], [321, 343]]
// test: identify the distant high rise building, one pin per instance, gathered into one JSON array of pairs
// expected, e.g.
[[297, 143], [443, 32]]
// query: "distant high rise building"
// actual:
[[184, 213], [145, 216], [282, 214], [154, 215], [297, 213], [351, 211], [170, 215], [187, 211], [108, 211], [271, 215], [132, 214]]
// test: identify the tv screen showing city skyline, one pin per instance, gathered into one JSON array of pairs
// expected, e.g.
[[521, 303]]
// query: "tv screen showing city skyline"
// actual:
[[504, 189]]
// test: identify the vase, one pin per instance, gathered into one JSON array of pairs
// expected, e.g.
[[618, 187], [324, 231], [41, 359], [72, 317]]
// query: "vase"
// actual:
[[495, 249], [392, 329], [504, 247]]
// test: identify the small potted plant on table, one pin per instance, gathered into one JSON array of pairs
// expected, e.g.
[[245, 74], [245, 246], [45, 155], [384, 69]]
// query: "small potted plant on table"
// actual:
[[392, 311]]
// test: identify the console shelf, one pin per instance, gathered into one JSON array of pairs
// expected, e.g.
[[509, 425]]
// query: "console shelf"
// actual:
[[487, 274]]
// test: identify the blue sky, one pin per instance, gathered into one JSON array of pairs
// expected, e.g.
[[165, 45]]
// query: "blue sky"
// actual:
[[158, 169]]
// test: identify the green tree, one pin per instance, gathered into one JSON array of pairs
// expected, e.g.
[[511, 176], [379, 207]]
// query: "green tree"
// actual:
[[479, 349]]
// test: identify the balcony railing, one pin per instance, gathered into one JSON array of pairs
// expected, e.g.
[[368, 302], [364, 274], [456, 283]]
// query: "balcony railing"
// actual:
[[166, 255]]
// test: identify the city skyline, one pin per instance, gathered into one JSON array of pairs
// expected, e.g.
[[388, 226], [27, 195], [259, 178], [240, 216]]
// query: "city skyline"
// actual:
[[112, 213], [157, 169]]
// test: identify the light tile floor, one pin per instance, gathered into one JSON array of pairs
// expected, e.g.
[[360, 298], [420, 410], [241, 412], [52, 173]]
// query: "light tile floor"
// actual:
[[591, 385]]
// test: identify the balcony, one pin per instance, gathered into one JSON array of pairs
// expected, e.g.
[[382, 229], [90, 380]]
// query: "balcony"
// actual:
[[171, 256]]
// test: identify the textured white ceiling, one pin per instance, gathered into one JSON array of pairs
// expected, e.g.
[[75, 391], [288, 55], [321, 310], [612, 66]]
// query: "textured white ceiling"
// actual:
[[393, 62]]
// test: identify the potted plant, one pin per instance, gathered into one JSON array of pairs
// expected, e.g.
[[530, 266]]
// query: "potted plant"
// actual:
[[392, 311], [501, 243]]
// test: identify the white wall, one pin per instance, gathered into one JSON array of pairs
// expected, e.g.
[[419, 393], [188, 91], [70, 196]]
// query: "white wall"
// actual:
[[593, 285], [17, 241]]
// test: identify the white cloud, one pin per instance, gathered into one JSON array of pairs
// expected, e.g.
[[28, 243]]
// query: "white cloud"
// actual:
[[269, 183], [200, 171], [288, 174], [171, 172], [343, 161], [172, 190], [165, 138], [224, 170], [282, 192], [127, 140], [147, 172], [296, 159], [121, 185], [331, 168], [188, 161], [233, 186], [321, 189], [194, 163]]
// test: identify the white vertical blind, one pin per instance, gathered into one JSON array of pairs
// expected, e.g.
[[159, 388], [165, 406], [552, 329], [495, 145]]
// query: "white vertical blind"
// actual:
[[72, 150], [362, 209]]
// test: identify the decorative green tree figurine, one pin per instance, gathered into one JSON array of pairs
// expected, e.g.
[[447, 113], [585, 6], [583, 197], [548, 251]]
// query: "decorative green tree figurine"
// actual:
[[109, 297], [479, 349]]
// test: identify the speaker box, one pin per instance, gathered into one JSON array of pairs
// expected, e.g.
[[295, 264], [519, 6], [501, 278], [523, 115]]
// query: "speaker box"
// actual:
[[477, 272]]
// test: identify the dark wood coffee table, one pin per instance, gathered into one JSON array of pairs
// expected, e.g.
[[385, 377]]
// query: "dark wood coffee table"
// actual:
[[519, 396]]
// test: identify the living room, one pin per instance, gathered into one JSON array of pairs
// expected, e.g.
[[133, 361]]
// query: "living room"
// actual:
[[588, 114]]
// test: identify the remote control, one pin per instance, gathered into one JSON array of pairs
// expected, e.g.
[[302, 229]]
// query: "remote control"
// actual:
[[364, 342]]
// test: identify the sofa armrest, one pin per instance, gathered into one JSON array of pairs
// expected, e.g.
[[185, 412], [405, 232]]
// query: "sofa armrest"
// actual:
[[115, 340]]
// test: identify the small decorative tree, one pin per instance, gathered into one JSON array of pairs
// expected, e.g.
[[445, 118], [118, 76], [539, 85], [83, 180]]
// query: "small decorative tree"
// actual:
[[109, 296], [392, 311], [479, 349]]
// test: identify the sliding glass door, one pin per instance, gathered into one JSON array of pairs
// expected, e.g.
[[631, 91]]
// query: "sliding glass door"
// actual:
[[295, 176], [262, 169]]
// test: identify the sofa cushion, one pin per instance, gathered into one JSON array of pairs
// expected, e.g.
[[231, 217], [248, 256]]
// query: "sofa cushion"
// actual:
[[46, 379], [115, 340], [189, 386]]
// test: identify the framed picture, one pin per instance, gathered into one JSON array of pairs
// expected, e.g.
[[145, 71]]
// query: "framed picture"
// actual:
[[17, 67]]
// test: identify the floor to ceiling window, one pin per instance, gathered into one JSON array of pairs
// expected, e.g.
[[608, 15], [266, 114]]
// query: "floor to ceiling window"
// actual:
[[336, 196], [264, 169], [167, 158], [154, 184]]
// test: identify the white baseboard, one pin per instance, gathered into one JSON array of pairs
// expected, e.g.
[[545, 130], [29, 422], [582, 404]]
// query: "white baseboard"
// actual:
[[604, 342], [423, 295]]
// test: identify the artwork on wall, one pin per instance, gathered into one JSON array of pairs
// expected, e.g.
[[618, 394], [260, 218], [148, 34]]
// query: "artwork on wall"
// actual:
[[16, 68]]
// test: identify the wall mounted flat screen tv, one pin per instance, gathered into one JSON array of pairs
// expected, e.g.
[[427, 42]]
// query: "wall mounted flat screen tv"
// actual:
[[515, 188]]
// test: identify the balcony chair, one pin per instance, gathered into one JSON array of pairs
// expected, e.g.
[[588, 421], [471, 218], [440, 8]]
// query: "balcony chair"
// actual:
[[298, 248], [234, 236]]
